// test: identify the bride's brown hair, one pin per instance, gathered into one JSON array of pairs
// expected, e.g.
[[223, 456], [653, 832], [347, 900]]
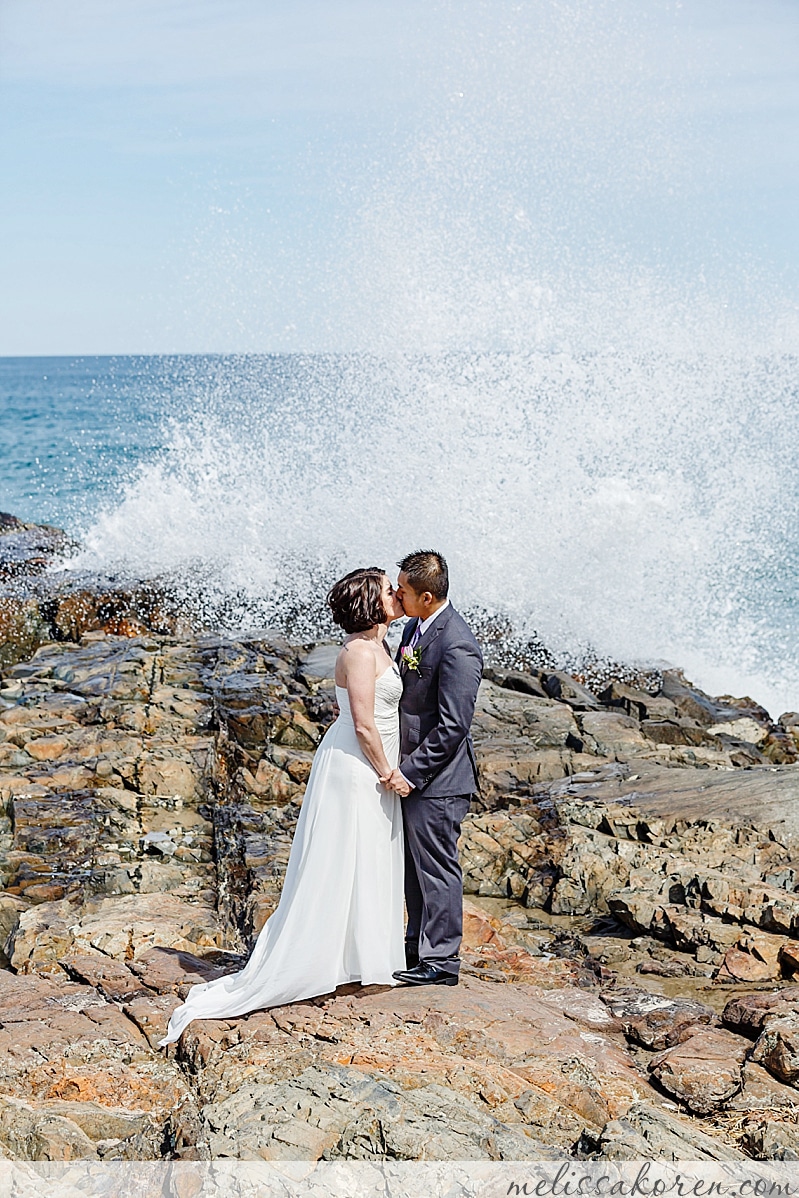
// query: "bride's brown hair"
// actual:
[[356, 600]]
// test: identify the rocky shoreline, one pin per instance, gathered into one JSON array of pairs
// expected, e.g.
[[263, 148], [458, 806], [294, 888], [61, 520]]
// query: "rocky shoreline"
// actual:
[[632, 914]]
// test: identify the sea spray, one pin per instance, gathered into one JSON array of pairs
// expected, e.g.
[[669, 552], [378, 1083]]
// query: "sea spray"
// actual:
[[568, 368], [628, 505]]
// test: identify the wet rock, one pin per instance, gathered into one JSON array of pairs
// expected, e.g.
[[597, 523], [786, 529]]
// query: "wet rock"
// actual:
[[559, 685], [22, 629], [254, 707], [637, 703], [702, 1071], [679, 732], [317, 668], [36, 609], [516, 680], [74, 784], [28, 549], [692, 702], [253, 849], [746, 707]]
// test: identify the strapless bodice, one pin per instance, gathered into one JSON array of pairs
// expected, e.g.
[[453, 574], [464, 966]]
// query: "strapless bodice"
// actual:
[[388, 692]]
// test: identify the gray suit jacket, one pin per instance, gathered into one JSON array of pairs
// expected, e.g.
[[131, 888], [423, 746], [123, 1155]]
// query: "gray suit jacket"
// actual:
[[437, 705]]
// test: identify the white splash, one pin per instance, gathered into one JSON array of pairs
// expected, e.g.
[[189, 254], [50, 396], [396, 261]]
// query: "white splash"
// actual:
[[590, 411], [635, 505]]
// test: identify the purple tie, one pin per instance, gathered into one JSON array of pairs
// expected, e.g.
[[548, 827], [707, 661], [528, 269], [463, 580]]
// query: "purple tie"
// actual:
[[416, 637]]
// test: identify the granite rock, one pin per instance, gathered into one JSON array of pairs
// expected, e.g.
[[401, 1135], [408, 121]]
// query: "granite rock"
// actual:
[[777, 1047], [650, 1133], [149, 789], [702, 1071]]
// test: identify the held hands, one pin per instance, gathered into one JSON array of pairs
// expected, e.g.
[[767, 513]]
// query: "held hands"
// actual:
[[395, 781]]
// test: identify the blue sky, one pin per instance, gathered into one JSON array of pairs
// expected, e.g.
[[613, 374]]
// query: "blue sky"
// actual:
[[252, 175]]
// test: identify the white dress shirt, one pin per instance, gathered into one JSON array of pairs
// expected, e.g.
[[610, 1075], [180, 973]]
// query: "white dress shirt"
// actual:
[[425, 624]]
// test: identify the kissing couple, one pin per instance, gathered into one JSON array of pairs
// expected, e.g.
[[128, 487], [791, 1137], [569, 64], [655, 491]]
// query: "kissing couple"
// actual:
[[390, 784]]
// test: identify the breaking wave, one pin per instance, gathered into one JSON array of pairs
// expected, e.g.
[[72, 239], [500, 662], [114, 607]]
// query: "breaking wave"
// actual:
[[639, 507]]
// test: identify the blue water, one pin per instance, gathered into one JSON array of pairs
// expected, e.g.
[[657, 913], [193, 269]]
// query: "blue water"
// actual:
[[643, 506], [72, 430]]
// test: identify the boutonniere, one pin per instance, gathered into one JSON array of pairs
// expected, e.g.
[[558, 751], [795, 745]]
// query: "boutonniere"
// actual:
[[411, 658]]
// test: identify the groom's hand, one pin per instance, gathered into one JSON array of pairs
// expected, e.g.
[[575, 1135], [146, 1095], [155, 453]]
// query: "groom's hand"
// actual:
[[398, 784]]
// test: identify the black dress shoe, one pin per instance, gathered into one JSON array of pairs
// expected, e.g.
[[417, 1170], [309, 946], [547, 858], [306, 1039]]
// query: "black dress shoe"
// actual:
[[425, 974], [411, 956]]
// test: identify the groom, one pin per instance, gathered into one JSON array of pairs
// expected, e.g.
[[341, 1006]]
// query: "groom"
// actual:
[[441, 667]]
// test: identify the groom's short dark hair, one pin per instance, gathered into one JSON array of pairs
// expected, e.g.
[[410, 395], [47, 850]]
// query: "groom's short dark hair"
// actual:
[[426, 570]]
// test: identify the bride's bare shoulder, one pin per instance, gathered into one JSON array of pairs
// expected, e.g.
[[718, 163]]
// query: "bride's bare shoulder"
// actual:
[[355, 653], [356, 650]]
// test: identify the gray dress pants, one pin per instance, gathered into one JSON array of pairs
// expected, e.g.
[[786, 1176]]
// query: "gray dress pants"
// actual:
[[433, 879]]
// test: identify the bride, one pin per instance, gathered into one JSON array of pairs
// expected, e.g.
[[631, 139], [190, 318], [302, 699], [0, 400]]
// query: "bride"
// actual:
[[340, 916]]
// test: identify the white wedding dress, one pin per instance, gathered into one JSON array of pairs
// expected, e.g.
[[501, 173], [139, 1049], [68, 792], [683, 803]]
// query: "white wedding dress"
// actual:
[[340, 916]]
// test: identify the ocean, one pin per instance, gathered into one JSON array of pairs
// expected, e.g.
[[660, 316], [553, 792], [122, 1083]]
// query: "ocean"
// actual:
[[639, 506]]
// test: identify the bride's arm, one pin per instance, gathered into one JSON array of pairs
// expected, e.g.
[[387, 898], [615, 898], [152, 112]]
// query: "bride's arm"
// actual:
[[360, 666]]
